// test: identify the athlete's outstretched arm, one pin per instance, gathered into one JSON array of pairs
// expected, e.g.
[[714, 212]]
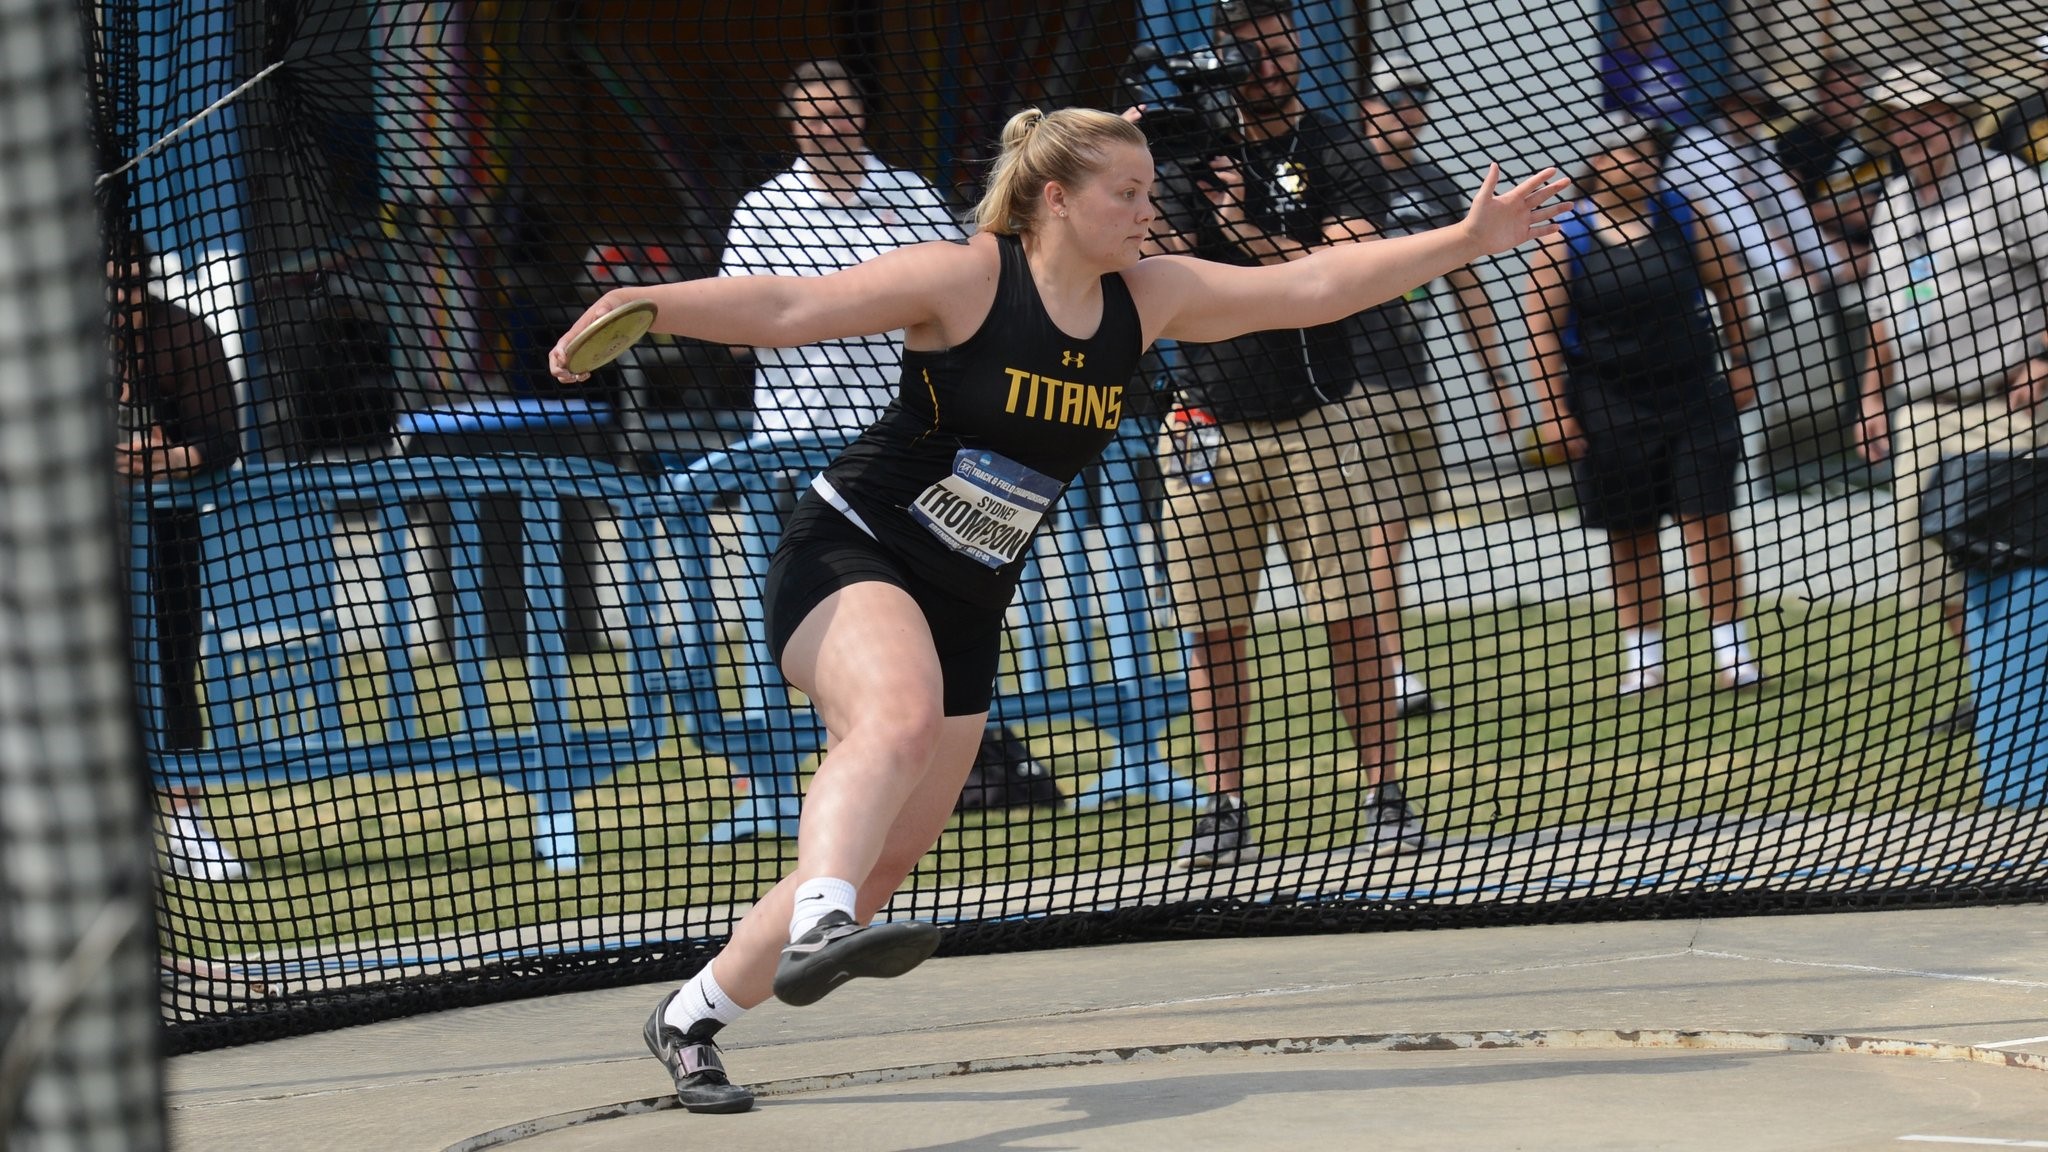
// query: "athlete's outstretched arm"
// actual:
[[1188, 299], [903, 288]]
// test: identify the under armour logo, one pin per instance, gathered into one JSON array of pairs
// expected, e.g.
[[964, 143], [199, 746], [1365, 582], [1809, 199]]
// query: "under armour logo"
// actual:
[[1073, 359]]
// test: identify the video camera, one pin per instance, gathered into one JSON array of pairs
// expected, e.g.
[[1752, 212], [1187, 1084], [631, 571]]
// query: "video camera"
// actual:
[[1190, 109]]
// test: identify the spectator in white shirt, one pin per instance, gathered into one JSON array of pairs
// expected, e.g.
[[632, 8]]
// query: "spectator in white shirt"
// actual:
[[835, 207], [1958, 292], [1727, 168], [1730, 171]]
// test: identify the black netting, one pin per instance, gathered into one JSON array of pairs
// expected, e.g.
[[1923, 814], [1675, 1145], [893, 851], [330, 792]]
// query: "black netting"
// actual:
[[1615, 576], [79, 1032]]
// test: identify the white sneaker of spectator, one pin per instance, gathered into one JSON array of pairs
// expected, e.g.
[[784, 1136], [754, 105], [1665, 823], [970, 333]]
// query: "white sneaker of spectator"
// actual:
[[195, 853], [1642, 661], [1636, 681], [1413, 694], [1735, 666], [1734, 675]]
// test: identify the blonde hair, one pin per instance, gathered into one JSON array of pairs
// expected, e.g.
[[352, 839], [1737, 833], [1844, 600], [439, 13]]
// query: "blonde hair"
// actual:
[[1040, 148]]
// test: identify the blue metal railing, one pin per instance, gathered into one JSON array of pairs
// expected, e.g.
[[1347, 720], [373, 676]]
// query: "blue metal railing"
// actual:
[[275, 649], [291, 692]]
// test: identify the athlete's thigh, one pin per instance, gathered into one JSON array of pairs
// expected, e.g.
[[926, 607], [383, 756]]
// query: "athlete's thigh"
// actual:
[[865, 649]]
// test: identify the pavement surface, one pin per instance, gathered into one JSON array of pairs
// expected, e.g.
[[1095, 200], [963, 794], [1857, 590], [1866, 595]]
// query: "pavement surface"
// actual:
[[1892, 1030]]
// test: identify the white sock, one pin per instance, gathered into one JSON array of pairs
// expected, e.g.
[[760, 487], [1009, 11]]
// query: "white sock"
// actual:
[[816, 897], [701, 999], [1731, 644], [1641, 648], [1406, 686]]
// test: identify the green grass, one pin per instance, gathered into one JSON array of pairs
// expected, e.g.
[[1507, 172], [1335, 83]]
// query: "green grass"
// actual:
[[1531, 739]]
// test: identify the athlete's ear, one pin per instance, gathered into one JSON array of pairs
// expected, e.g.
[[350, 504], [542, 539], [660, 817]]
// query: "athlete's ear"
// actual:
[[1054, 196]]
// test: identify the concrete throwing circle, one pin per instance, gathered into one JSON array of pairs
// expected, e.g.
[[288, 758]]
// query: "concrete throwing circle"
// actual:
[[1579, 1089]]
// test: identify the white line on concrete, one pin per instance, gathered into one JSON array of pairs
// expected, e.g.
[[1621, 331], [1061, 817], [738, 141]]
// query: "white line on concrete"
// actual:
[[1979, 1140], [2017, 1043], [1312, 989], [1880, 970]]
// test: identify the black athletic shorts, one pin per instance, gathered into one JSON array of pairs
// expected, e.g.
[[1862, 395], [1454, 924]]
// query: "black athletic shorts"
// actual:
[[1653, 453], [822, 551]]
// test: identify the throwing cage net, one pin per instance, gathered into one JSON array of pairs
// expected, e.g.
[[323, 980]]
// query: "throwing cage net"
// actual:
[[78, 996], [1685, 563]]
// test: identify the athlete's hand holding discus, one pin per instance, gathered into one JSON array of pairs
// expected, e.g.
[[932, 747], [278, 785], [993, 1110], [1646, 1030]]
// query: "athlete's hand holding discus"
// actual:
[[601, 335], [1053, 294]]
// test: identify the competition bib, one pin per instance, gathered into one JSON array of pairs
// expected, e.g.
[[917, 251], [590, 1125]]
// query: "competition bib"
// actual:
[[987, 507]]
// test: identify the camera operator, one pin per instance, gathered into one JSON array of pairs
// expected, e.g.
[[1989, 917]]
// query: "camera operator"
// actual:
[[1267, 431]]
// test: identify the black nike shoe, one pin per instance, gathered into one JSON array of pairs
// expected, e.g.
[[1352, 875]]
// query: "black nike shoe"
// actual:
[[1222, 837], [692, 1060], [837, 950], [1391, 826]]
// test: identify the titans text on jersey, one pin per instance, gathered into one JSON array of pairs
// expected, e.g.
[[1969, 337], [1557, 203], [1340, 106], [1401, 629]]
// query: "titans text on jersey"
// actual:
[[1064, 401]]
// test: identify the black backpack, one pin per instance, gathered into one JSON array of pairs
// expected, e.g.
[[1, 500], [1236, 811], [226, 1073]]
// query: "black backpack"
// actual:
[[1006, 776], [1987, 510]]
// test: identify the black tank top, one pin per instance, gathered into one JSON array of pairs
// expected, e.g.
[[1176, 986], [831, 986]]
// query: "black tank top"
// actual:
[[1638, 313], [982, 437]]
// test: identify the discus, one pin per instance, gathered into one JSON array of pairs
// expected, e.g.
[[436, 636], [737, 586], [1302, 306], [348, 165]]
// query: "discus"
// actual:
[[608, 337]]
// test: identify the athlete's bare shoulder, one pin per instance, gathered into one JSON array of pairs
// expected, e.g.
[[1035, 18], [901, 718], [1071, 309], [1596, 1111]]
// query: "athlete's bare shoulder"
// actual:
[[1158, 268], [1160, 285], [959, 279], [945, 265]]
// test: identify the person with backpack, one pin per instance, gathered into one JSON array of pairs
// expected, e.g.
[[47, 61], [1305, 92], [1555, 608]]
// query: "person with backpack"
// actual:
[[1629, 380]]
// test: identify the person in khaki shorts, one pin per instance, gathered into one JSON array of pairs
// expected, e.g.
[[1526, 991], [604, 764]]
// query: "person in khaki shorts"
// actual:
[[1269, 436], [1230, 486], [1956, 293]]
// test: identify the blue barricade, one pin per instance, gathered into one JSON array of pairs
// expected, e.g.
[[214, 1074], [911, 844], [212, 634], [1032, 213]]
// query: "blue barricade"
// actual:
[[273, 650], [768, 737], [2008, 643], [509, 413], [275, 657]]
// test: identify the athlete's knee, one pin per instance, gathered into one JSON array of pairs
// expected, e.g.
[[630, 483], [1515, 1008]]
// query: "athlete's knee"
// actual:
[[909, 729]]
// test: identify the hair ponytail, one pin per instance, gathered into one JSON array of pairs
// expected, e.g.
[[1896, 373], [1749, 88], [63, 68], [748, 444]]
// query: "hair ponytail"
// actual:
[[1040, 148], [1018, 130]]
